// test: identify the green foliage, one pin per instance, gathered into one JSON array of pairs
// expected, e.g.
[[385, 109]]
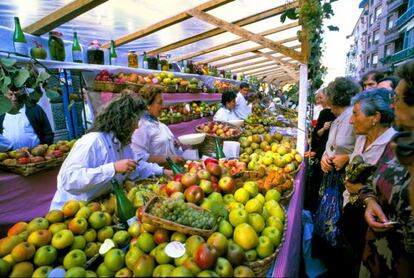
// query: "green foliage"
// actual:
[[312, 13]]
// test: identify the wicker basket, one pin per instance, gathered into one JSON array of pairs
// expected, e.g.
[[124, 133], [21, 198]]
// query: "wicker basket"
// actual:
[[103, 86], [182, 89], [176, 119], [294, 173], [209, 144], [286, 196], [133, 86], [172, 226], [194, 90], [33, 168], [261, 267], [187, 118]]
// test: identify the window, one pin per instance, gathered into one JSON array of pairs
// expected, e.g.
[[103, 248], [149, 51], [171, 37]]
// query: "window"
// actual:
[[369, 41], [376, 37], [390, 22], [368, 58], [378, 12], [374, 59], [371, 20], [387, 50]]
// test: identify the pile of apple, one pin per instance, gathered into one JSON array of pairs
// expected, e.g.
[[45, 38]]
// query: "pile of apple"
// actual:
[[218, 129], [37, 154]]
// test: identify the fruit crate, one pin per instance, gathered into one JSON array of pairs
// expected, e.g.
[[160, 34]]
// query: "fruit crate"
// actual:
[[33, 168], [134, 87], [172, 226], [261, 267]]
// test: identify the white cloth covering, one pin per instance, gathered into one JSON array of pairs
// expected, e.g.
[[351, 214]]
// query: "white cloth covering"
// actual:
[[153, 138], [225, 115], [19, 131], [242, 109], [87, 171]]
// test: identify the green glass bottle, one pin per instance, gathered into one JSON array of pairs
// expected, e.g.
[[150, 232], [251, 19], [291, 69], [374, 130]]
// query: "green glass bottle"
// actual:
[[145, 61], [174, 167], [19, 40], [125, 209], [158, 62], [113, 57], [219, 150], [76, 49]]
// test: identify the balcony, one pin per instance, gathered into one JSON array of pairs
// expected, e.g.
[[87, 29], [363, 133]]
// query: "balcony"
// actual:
[[394, 4], [405, 17], [403, 55]]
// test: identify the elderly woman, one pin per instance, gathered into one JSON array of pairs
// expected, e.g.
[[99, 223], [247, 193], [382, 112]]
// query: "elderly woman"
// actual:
[[340, 145], [389, 247], [226, 111], [102, 154], [153, 140]]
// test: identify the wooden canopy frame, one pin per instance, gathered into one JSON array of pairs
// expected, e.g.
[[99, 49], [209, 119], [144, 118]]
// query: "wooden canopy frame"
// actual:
[[283, 56]]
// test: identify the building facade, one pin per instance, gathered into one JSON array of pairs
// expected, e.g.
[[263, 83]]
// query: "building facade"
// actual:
[[377, 36]]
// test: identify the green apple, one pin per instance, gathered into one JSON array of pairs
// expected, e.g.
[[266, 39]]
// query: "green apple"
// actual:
[[208, 273], [45, 255], [134, 229], [241, 195], [41, 272], [215, 196], [56, 227], [160, 256], [243, 271], [103, 271], [62, 239], [90, 274], [245, 236], [91, 249], [273, 234], [254, 205], [256, 221], [144, 266], [179, 261], [192, 243], [121, 238], [251, 255], [97, 220], [76, 271], [261, 198], [74, 258], [5, 268], [273, 221], [235, 254], [105, 233], [191, 265], [238, 216], [79, 242], [84, 212], [90, 235], [132, 256], [114, 259], [146, 242], [228, 198], [162, 270], [181, 272], [278, 212], [177, 236], [124, 272], [272, 194], [265, 248], [252, 188], [37, 224], [219, 242], [225, 228], [223, 267]]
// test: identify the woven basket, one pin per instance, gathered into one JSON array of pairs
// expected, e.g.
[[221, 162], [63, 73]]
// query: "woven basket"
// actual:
[[187, 118], [172, 226], [33, 168], [286, 196], [209, 144], [133, 86], [176, 120], [194, 90], [182, 89], [261, 267], [103, 86]]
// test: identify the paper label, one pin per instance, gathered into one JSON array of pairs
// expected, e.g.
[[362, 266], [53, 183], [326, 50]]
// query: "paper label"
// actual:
[[131, 221], [77, 56], [21, 48], [145, 64], [175, 249], [114, 61], [107, 245]]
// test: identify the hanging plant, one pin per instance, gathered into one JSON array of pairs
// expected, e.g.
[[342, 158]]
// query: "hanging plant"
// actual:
[[15, 77], [312, 13]]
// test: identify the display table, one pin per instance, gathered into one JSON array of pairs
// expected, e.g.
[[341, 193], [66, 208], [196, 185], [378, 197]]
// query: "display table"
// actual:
[[24, 198], [187, 127], [288, 261], [178, 98]]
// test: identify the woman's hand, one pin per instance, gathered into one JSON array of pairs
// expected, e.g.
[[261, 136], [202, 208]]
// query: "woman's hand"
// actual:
[[169, 174], [340, 160], [309, 154], [353, 188], [125, 166], [375, 217], [177, 158], [326, 164]]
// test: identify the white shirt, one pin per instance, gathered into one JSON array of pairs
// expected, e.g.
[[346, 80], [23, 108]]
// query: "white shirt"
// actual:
[[153, 138], [242, 110], [19, 131], [225, 115], [341, 139], [87, 171], [373, 152]]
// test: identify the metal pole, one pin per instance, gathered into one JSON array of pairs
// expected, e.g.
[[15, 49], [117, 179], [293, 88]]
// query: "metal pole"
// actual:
[[303, 99]]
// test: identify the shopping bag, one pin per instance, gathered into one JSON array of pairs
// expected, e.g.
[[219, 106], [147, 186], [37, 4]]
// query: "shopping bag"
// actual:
[[329, 211]]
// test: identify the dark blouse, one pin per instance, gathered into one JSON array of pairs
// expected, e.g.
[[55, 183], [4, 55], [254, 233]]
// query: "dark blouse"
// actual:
[[318, 143]]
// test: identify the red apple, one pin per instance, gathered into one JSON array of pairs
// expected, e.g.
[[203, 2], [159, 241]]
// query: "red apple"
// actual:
[[163, 191], [160, 236], [57, 153], [178, 177], [173, 186], [189, 179], [205, 256], [216, 187], [214, 169], [23, 160], [227, 184], [194, 194], [203, 175], [139, 213], [210, 160]]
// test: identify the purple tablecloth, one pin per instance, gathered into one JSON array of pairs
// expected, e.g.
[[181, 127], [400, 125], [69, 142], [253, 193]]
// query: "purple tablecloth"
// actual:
[[24, 198], [173, 98], [288, 261], [187, 127]]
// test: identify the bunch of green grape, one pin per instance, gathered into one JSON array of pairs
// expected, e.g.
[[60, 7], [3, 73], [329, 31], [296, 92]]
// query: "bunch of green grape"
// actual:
[[178, 211]]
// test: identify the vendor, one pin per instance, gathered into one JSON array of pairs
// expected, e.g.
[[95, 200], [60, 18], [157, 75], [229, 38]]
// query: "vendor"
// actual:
[[25, 125], [226, 112], [104, 153], [153, 140], [242, 109]]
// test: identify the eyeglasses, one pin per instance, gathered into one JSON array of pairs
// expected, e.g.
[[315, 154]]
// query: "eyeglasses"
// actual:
[[403, 146]]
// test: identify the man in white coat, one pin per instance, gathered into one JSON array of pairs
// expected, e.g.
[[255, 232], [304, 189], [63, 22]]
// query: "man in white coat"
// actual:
[[242, 109]]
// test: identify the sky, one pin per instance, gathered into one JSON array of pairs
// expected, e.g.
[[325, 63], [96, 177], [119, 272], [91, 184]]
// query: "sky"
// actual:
[[336, 44]]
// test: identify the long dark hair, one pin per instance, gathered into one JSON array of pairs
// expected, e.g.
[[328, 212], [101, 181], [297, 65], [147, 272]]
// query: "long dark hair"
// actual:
[[119, 117]]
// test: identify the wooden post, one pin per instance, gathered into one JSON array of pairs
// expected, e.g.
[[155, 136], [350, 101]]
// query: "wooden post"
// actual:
[[303, 101]]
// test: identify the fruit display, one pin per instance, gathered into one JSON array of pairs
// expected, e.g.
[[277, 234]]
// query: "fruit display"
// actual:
[[173, 114], [44, 155], [219, 129]]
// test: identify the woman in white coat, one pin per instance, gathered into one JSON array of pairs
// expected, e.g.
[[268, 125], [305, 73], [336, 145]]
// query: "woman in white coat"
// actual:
[[226, 112], [153, 141], [104, 153]]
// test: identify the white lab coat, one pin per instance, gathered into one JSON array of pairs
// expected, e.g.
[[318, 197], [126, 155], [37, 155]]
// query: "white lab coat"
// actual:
[[87, 171], [242, 109], [153, 138], [225, 115], [19, 131]]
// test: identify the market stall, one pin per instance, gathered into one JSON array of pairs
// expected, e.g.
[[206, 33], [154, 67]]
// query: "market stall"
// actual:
[[254, 193]]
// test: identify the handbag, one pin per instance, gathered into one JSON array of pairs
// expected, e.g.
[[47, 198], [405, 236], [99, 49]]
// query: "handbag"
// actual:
[[328, 214], [358, 171]]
